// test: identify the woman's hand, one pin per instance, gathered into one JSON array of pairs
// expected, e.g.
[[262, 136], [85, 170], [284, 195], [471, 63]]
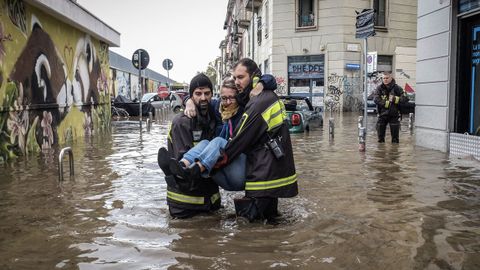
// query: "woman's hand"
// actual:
[[257, 90], [190, 110]]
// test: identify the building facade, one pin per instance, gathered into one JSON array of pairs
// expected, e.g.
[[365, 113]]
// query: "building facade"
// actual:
[[54, 67], [310, 45], [448, 78], [124, 78]]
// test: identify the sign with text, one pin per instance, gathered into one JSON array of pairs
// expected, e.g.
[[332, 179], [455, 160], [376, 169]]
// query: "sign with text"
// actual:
[[365, 26], [372, 62], [305, 70]]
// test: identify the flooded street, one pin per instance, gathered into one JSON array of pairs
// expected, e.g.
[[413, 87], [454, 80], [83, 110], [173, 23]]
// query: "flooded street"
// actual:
[[392, 207]]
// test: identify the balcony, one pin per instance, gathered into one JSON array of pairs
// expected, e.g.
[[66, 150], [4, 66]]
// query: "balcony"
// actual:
[[244, 23], [256, 4]]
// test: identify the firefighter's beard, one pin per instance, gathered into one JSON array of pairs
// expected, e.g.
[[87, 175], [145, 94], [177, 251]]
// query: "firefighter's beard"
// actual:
[[203, 108]]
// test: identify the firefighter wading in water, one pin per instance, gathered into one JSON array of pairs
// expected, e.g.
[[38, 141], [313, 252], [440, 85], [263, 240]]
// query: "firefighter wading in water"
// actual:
[[389, 97], [187, 198], [262, 134]]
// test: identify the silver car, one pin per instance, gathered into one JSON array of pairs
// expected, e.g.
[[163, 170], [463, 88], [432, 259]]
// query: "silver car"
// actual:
[[173, 100]]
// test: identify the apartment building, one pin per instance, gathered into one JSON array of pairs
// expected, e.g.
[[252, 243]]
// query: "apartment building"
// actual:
[[310, 45]]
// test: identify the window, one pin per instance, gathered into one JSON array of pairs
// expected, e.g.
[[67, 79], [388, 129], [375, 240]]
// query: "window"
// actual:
[[266, 66], [306, 13], [267, 16], [384, 63], [380, 7]]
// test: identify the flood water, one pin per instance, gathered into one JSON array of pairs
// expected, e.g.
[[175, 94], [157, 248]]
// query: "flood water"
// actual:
[[392, 207]]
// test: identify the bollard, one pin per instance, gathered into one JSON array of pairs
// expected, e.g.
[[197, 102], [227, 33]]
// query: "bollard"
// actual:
[[361, 134], [60, 163], [361, 139], [410, 122], [360, 121], [157, 116], [149, 124], [331, 128]]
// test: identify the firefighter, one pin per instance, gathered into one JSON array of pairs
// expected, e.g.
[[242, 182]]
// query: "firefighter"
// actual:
[[388, 97], [262, 134], [189, 197]]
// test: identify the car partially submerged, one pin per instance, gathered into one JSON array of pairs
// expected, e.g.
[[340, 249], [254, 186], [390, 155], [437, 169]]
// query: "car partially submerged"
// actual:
[[150, 102], [301, 114]]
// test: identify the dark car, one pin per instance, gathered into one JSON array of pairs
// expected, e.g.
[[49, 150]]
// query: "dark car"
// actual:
[[301, 114], [406, 108]]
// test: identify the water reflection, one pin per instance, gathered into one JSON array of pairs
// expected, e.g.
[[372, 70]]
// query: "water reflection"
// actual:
[[392, 207]]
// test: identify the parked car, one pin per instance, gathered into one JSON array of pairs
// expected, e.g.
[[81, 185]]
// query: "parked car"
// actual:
[[407, 108], [182, 95], [173, 99], [301, 114], [150, 102]]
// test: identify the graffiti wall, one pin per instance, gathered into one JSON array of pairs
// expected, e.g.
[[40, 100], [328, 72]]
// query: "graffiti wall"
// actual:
[[344, 93], [54, 81]]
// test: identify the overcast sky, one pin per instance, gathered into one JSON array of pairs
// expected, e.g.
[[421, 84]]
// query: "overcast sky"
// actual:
[[188, 32]]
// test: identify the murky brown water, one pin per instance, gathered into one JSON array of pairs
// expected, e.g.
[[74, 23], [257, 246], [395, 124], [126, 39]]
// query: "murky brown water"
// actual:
[[393, 207]]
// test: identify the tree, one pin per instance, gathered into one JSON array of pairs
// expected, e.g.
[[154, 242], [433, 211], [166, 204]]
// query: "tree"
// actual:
[[212, 74]]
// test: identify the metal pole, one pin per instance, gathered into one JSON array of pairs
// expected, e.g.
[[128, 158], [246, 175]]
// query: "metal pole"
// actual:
[[365, 88], [168, 76], [140, 82]]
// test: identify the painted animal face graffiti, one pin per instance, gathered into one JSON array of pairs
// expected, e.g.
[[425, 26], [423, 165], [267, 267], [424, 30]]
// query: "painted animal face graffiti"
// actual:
[[39, 70]]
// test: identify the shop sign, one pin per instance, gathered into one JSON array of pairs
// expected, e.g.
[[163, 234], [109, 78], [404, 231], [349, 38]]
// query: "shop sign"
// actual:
[[305, 70]]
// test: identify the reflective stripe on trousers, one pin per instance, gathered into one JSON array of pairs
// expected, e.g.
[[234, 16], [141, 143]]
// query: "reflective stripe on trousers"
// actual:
[[191, 199], [264, 185]]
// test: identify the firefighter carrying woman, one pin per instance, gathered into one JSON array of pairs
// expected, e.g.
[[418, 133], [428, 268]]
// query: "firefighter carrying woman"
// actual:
[[240, 142]]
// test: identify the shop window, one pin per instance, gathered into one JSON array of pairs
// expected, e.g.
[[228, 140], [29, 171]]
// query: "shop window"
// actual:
[[380, 7], [306, 77], [306, 14]]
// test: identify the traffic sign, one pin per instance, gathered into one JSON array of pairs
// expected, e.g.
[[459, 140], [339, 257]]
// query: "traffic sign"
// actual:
[[163, 91], [167, 64], [144, 57]]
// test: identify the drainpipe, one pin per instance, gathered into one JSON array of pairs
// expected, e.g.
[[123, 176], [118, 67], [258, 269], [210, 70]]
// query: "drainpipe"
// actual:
[[253, 33]]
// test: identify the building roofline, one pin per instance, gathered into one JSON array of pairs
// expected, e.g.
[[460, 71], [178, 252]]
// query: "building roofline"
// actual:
[[75, 15]]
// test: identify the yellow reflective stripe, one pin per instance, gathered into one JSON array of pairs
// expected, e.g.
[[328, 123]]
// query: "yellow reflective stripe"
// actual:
[[255, 81], [185, 198], [245, 117], [274, 115], [284, 111], [215, 197], [397, 99], [263, 185], [387, 104], [169, 133]]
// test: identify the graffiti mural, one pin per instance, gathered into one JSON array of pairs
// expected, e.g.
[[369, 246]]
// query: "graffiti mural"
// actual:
[[344, 93], [353, 94], [54, 84], [122, 84], [281, 86], [334, 92]]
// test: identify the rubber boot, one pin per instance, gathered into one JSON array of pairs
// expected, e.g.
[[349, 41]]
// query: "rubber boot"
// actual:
[[163, 159], [381, 129], [395, 132], [256, 208]]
